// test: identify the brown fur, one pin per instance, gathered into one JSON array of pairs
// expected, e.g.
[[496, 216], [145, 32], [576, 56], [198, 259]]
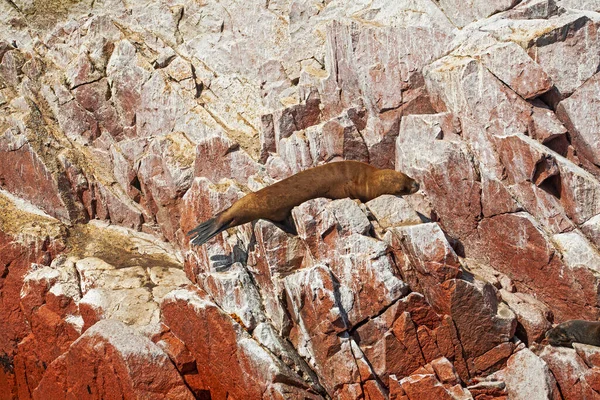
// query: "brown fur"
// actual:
[[574, 331], [336, 180]]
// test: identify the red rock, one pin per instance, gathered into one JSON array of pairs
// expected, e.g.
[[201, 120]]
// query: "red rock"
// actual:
[[568, 370], [444, 370], [402, 352], [428, 344], [109, 347], [396, 391], [593, 379], [523, 259], [373, 391], [493, 359], [466, 302], [450, 346], [424, 387], [384, 350], [178, 353], [488, 391], [16, 260], [21, 162], [235, 365]]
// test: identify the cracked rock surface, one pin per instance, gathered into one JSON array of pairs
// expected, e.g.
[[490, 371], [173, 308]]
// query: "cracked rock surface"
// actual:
[[124, 124]]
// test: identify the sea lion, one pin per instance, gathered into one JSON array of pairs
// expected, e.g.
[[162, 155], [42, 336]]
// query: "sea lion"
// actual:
[[574, 331], [335, 180]]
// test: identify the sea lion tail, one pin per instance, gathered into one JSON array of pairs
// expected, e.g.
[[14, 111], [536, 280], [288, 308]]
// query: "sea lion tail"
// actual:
[[207, 230]]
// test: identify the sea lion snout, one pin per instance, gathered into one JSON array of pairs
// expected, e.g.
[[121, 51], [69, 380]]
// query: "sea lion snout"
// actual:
[[414, 187]]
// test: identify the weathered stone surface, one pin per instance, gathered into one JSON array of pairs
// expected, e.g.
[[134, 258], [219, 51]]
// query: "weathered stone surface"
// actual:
[[579, 114], [509, 63], [431, 259], [429, 148], [391, 211], [533, 316], [528, 377], [569, 371], [524, 254], [88, 367], [591, 5], [589, 354], [238, 366], [574, 38], [478, 10], [153, 117]]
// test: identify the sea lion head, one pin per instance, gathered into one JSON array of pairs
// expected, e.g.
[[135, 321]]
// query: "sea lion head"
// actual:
[[559, 335], [395, 182]]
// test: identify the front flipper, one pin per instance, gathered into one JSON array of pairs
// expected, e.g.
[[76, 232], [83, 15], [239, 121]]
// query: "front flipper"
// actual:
[[287, 225]]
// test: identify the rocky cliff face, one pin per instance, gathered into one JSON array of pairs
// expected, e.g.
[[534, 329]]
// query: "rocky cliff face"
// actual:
[[123, 124]]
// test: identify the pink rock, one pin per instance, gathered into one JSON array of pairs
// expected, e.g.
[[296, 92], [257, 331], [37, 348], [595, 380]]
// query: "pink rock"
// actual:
[[358, 70], [283, 123], [431, 260], [430, 150], [566, 185], [512, 65], [218, 157], [582, 121], [337, 139], [589, 354], [295, 152], [126, 81], [479, 10], [204, 199], [533, 316], [575, 37], [528, 377], [165, 174], [317, 324]]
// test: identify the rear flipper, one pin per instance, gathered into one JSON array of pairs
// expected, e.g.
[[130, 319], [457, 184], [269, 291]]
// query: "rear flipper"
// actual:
[[207, 230], [287, 225]]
